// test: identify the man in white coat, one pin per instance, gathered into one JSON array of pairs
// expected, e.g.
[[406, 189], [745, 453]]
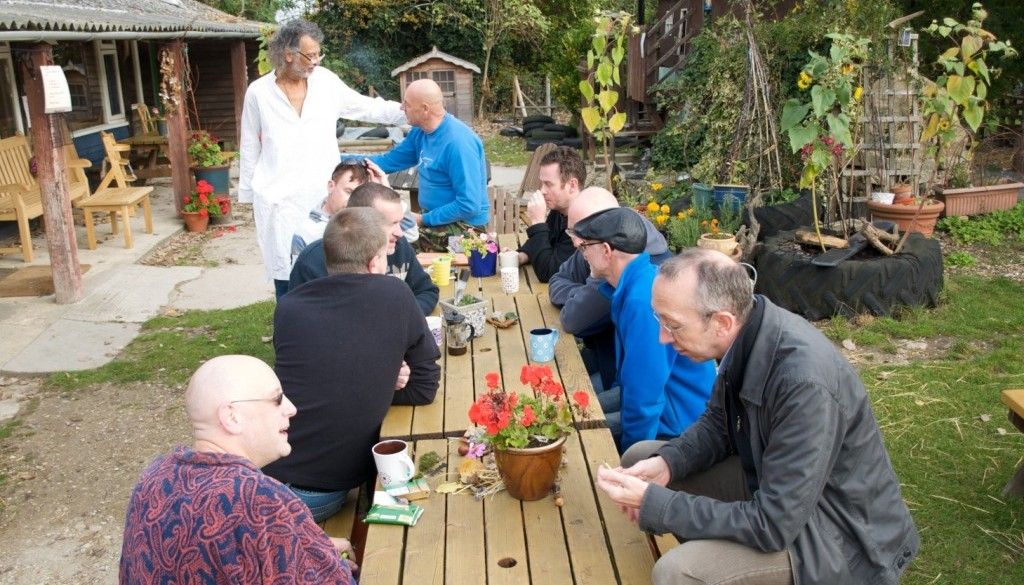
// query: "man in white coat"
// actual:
[[288, 139]]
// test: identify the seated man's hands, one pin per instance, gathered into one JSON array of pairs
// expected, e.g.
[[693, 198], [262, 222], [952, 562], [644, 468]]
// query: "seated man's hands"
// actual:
[[348, 554], [403, 376], [627, 487], [536, 208]]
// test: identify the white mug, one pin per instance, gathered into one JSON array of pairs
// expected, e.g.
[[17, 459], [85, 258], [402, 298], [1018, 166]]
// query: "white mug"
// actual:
[[393, 462], [434, 324], [510, 279], [508, 259]]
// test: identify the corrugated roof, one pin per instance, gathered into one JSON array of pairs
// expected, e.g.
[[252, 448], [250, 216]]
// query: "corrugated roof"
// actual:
[[432, 55], [102, 16]]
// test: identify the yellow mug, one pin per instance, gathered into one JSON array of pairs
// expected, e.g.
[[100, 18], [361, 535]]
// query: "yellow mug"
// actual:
[[441, 270]]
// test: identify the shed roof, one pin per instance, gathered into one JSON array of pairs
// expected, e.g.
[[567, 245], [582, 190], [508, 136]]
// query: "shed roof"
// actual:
[[434, 54], [76, 19]]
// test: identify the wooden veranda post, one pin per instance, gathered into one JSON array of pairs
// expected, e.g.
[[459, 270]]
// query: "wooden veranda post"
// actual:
[[172, 83], [47, 146], [240, 82]]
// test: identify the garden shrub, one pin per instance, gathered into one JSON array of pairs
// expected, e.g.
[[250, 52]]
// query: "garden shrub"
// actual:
[[989, 229]]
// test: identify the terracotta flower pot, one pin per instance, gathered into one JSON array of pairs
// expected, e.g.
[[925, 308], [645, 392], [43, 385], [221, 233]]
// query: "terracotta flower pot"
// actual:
[[977, 200], [529, 473], [194, 221], [904, 215], [902, 194]]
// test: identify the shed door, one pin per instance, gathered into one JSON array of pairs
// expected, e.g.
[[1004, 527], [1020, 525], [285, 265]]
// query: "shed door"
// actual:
[[445, 78]]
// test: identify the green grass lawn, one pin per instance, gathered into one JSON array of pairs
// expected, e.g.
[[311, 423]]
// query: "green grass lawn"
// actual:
[[506, 152], [951, 462]]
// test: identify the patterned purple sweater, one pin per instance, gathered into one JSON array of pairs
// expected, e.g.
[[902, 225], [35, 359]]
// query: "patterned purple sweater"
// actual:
[[198, 517]]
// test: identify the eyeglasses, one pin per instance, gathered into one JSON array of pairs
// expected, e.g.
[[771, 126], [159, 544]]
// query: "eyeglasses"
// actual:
[[588, 244], [276, 399], [668, 329], [314, 59]]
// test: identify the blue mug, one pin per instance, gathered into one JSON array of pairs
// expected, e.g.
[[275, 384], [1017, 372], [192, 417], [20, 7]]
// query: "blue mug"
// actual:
[[542, 344]]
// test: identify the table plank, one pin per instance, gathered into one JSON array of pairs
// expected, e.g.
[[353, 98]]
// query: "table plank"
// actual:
[[585, 535], [465, 532], [630, 547], [424, 546]]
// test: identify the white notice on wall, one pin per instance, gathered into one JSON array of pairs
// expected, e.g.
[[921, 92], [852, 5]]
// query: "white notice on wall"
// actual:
[[56, 96]]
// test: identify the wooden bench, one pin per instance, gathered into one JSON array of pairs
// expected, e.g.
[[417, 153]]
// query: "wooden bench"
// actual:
[[20, 195], [1014, 400], [121, 199]]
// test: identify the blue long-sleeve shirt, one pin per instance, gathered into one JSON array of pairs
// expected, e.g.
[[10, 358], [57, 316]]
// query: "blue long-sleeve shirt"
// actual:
[[662, 392], [452, 172]]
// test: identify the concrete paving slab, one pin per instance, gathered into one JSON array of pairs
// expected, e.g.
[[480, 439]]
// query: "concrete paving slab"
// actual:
[[122, 299], [72, 345], [507, 176], [224, 287]]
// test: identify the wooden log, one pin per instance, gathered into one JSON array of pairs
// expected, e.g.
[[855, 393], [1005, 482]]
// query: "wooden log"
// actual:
[[240, 82], [48, 148], [808, 237], [177, 119]]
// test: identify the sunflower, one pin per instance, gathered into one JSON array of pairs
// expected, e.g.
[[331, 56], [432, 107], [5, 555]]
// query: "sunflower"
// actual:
[[803, 84], [846, 69]]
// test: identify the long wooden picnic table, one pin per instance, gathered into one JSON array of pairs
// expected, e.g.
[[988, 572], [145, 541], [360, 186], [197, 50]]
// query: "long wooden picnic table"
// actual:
[[461, 540]]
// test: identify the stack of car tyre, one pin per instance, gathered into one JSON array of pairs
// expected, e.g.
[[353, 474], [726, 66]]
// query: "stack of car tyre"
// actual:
[[542, 129]]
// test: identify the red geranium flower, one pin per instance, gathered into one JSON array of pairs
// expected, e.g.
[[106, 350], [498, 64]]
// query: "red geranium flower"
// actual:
[[582, 398], [492, 380], [528, 417]]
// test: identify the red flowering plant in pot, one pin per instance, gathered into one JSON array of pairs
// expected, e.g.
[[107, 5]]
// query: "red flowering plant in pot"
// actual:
[[526, 430], [199, 206]]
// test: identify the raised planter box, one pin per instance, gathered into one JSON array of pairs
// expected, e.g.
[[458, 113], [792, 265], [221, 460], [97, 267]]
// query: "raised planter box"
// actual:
[[978, 200]]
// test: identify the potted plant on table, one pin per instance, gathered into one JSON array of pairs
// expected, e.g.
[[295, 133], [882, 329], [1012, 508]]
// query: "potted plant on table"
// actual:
[[199, 206], [526, 431], [208, 161], [954, 107], [482, 252], [158, 119]]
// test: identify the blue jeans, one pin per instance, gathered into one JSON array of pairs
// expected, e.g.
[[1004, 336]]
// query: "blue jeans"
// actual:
[[280, 287], [322, 505], [611, 404]]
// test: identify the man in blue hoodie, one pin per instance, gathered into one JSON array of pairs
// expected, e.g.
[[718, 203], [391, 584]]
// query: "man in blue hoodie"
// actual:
[[449, 158], [583, 310], [660, 392]]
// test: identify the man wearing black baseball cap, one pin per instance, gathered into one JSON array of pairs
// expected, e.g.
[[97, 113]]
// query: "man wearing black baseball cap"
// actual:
[[659, 392]]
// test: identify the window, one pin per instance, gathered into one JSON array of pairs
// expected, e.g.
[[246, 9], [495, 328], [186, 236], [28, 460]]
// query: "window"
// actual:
[[79, 95], [446, 79], [412, 76], [110, 82]]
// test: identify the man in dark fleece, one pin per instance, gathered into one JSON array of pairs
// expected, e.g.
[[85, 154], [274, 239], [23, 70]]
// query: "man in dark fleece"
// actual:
[[341, 346], [562, 175], [402, 263]]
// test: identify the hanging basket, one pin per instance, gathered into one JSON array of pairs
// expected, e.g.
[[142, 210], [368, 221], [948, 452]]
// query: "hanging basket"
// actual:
[[530, 473]]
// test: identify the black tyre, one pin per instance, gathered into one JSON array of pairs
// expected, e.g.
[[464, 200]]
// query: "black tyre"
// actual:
[[785, 216], [569, 131], [511, 132], [877, 285], [533, 143], [572, 142], [533, 126], [379, 132], [548, 134], [538, 118]]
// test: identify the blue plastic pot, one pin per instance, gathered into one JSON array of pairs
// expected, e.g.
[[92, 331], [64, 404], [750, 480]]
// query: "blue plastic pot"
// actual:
[[735, 194], [219, 177]]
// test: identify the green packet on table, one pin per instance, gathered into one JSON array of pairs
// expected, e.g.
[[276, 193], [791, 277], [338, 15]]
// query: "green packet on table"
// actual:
[[387, 510]]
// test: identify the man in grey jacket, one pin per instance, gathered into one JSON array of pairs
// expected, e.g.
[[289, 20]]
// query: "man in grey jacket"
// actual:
[[585, 312], [784, 478]]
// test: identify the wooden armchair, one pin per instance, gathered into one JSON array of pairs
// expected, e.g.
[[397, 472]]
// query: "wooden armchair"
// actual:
[[115, 196], [20, 196]]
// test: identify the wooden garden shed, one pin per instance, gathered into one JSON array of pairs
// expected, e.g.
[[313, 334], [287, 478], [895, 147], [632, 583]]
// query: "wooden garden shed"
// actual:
[[454, 75]]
